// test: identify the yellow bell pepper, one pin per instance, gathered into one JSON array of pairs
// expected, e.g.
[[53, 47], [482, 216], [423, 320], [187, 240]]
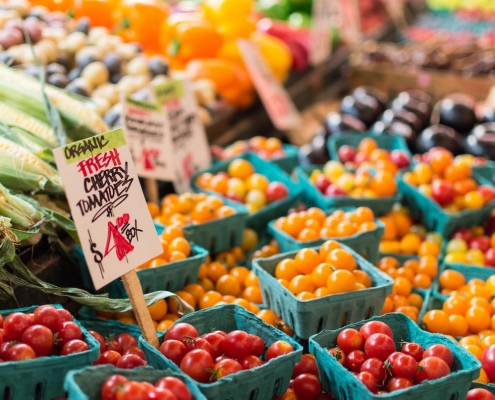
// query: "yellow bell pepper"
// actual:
[[276, 53], [218, 11]]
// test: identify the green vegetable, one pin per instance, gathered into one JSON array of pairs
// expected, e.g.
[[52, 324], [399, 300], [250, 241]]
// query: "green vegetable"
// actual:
[[274, 9]]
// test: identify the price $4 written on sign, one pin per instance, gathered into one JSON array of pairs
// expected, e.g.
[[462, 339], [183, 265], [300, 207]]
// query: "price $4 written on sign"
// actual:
[[108, 206]]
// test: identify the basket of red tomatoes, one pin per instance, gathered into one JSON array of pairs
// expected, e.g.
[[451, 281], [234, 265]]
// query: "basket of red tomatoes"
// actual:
[[229, 352]]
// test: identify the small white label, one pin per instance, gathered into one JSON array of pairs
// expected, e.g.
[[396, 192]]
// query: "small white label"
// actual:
[[108, 206], [147, 131], [189, 141], [275, 98]]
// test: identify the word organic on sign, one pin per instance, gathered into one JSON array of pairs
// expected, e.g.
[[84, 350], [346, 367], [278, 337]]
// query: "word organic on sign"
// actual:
[[147, 131], [190, 145], [275, 98], [108, 206]]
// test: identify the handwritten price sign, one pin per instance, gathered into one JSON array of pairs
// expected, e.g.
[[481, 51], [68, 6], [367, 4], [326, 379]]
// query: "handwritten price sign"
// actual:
[[190, 145], [147, 131], [275, 98], [108, 206], [321, 37]]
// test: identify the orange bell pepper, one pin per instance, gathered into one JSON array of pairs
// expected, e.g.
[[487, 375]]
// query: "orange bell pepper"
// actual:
[[231, 81], [99, 11], [143, 18], [189, 37]]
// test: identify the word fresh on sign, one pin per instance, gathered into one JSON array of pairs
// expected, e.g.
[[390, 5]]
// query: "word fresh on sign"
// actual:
[[190, 145], [108, 206], [148, 135]]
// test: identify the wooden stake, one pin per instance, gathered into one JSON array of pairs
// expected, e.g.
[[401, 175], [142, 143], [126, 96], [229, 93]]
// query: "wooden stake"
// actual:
[[135, 292], [151, 188]]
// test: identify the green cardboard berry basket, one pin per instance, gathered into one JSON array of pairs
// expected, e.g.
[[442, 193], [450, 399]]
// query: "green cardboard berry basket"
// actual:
[[329, 312], [108, 327], [386, 142], [260, 219], [433, 215], [85, 384], [345, 386], [485, 173], [218, 235], [43, 378], [260, 383], [365, 243], [172, 277], [312, 197]]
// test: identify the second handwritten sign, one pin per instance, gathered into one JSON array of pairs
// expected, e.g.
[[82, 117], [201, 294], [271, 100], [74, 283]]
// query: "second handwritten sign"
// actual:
[[108, 206]]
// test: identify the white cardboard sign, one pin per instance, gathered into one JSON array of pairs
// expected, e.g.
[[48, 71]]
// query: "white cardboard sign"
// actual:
[[108, 206], [275, 98], [148, 134], [321, 35], [190, 145]]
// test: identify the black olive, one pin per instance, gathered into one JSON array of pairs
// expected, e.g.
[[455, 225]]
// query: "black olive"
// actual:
[[78, 90], [65, 60], [55, 68], [115, 78], [7, 59], [86, 59], [33, 71], [112, 117], [158, 65], [113, 62], [83, 25], [59, 80]]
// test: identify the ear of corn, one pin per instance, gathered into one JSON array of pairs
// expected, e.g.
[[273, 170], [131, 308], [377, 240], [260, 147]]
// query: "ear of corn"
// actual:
[[13, 117], [15, 161], [28, 140], [24, 93], [21, 213]]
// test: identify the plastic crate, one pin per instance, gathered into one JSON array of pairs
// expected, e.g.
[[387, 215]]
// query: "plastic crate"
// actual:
[[261, 383], [171, 277], [387, 142], [43, 378], [312, 197], [85, 384], [365, 243], [329, 312], [217, 235], [345, 386], [435, 218], [287, 163], [260, 219]]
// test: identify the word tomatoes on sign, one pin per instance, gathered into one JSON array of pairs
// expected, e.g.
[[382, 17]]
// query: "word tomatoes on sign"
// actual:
[[108, 206]]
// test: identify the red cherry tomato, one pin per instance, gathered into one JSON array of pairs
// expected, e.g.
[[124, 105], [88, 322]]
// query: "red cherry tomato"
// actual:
[[15, 324], [372, 327], [133, 391], [64, 315], [350, 339], [307, 386], [251, 362], [108, 357], [20, 352], [376, 368], [113, 344], [130, 361], [258, 345], [307, 365], [67, 331], [126, 340], [379, 346], [355, 359], [176, 386], [278, 349], [398, 383], [414, 350], [225, 367], [440, 351], [237, 344], [479, 394], [181, 329], [431, 368], [392, 357], [135, 350], [48, 316], [487, 361], [39, 338], [111, 385], [405, 366], [197, 364], [215, 340], [368, 380], [174, 350], [74, 346], [100, 339], [199, 344]]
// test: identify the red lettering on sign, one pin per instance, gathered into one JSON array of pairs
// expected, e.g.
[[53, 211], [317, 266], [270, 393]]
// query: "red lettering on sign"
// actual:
[[94, 164]]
